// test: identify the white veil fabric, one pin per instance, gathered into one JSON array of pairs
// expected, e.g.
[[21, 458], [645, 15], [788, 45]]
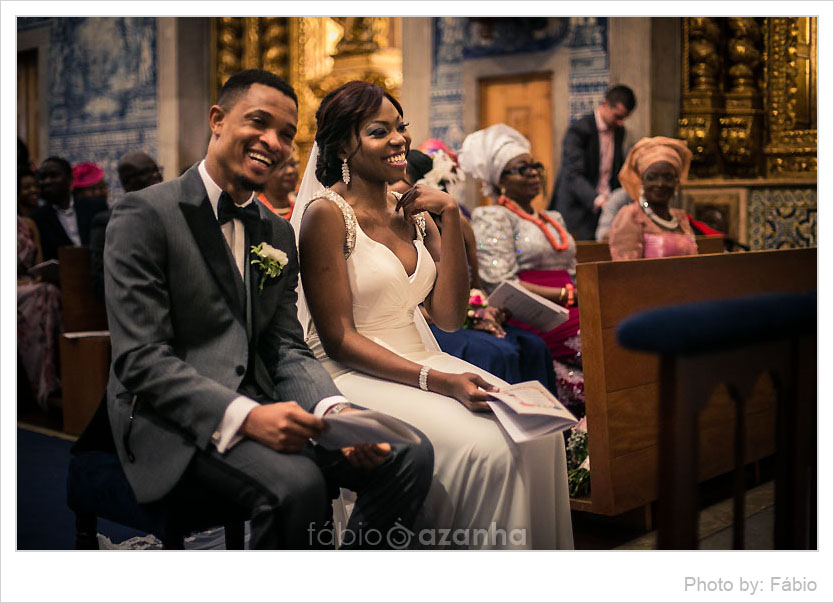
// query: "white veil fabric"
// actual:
[[307, 192], [310, 186]]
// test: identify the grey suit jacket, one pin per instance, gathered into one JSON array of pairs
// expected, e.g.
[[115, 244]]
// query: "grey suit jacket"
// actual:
[[176, 309]]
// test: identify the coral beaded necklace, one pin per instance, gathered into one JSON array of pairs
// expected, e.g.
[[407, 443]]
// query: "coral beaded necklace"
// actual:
[[541, 220]]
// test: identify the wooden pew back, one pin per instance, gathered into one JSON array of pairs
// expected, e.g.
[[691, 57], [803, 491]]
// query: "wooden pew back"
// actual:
[[592, 251], [621, 386], [85, 344], [82, 309]]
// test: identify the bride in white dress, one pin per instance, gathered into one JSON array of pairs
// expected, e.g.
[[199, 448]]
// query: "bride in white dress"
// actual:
[[368, 259]]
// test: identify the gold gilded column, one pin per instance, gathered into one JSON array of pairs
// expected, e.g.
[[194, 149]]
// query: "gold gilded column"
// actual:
[[791, 99], [249, 43], [315, 54], [741, 127], [703, 100]]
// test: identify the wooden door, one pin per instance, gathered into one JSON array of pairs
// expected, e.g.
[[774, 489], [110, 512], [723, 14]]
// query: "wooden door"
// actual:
[[523, 102], [27, 102]]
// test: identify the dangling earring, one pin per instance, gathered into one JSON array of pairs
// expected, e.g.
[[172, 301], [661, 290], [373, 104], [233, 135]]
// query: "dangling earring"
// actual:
[[345, 171]]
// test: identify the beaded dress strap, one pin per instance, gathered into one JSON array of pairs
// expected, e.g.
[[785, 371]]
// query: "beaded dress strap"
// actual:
[[347, 214], [419, 219]]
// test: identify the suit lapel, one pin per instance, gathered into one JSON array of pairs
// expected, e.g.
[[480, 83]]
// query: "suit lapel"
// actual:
[[206, 231], [260, 297]]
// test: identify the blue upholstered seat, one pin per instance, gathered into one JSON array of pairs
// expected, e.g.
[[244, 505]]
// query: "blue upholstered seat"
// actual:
[[719, 325]]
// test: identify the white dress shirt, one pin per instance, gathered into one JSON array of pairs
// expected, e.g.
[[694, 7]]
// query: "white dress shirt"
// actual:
[[227, 434], [606, 160], [69, 220]]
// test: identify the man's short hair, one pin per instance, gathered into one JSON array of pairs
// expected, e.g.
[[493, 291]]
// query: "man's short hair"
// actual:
[[621, 95], [241, 81], [65, 165]]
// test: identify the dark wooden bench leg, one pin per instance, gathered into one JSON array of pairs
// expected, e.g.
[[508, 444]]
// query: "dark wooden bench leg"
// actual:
[[173, 541], [86, 530], [235, 533]]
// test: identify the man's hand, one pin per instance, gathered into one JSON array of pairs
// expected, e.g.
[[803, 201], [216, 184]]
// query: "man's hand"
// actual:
[[283, 426], [364, 456], [599, 202]]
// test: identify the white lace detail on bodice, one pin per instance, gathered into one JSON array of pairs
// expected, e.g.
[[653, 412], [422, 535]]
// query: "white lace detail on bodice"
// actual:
[[350, 217], [419, 219], [347, 214]]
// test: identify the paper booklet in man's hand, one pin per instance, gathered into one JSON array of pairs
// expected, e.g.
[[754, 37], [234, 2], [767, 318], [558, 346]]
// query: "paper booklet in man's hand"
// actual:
[[364, 427], [528, 307], [528, 410]]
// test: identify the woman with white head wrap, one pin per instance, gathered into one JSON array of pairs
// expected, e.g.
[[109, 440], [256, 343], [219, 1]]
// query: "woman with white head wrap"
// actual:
[[648, 227], [516, 242]]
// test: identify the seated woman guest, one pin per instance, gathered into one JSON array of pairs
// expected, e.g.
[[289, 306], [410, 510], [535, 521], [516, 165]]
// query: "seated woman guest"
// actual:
[[38, 315], [506, 351], [648, 227], [518, 243], [368, 258], [28, 193], [279, 194]]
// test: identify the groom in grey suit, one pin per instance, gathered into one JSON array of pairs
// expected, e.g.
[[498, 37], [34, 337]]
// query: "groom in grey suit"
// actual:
[[212, 388]]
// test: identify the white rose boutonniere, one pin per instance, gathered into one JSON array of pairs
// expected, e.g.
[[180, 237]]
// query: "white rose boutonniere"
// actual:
[[270, 261]]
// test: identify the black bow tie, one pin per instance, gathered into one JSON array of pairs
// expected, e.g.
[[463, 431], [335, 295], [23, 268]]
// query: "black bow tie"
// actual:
[[228, 210]]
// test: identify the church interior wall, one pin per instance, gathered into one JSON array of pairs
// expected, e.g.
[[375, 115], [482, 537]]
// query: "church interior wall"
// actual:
[[101, 89], [127, 83]]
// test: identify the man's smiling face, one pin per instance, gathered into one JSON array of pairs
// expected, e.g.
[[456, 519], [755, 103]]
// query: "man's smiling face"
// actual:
[[250, 139]]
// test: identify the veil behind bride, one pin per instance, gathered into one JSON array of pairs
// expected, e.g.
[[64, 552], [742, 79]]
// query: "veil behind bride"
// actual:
[[307, 192]]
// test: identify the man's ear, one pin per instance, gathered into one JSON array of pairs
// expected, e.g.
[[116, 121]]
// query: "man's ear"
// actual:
[[216, 116]]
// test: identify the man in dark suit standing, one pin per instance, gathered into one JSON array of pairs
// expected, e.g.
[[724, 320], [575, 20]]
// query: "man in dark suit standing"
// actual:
[[137, 170], [592, 155], [62, 221], [212, 388]]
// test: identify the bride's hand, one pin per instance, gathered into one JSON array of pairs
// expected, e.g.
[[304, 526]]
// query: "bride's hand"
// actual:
[[421, 198], [467, 388]]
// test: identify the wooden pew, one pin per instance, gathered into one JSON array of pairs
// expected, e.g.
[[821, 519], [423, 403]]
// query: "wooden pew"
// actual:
[[85, 344], [621, 387], [591, 251]]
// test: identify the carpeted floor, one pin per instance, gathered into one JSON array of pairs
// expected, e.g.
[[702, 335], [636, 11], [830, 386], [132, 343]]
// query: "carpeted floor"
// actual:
[[44, 522]]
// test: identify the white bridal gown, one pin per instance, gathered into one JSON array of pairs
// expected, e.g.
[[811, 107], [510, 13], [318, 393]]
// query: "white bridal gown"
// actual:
[[482, 479]]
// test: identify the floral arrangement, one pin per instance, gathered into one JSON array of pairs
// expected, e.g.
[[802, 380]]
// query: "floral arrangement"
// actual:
[[444, 173], [476, 310], [269, 260], [579, 463]]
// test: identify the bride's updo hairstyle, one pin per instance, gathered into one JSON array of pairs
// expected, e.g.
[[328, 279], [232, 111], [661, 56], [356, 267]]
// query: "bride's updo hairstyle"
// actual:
[[338, 119]]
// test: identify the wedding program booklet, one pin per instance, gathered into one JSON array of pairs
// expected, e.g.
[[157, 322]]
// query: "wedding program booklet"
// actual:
[[528, 410], [528, 307], [48, 271], [364, 427]]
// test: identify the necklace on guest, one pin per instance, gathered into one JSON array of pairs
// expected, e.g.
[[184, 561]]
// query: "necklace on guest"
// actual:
[[671, 224], [541, 220]]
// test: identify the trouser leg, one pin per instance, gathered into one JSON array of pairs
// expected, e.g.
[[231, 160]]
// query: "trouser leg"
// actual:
[[284, 495], [388, 496]]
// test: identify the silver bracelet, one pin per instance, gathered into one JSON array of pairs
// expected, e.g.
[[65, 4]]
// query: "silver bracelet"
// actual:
[[424, 378]]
